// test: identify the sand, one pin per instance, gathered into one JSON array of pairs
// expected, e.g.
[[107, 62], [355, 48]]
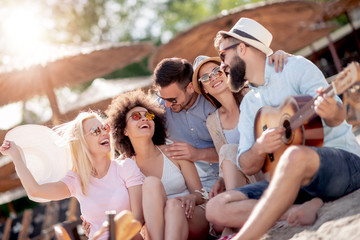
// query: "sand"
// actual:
[[337, 220]]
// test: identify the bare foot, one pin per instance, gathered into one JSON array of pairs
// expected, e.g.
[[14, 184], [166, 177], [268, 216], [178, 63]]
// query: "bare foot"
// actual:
[[304, 214]]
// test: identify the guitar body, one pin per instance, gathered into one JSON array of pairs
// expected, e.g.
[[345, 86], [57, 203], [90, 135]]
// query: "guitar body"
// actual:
[[310, 133]]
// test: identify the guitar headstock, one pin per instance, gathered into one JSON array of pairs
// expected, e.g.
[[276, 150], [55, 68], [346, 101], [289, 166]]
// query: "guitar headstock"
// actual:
[[346, 78]]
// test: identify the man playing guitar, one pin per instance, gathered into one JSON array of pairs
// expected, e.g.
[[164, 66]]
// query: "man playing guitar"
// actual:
[[302, 172]]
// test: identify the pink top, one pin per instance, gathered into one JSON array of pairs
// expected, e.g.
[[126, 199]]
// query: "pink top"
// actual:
[[107, 193]]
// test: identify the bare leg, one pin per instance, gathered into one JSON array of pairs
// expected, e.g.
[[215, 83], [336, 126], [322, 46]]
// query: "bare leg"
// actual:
[[198, 225], [230, 209], [176, 225], [154, 198], [232, 176], [296, 167]]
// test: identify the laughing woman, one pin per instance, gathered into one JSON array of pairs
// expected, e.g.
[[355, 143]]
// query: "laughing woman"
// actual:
[[172, 202], [98, 183], [210, 81]]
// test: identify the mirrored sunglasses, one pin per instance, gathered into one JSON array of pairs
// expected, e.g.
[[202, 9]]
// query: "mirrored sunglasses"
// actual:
[[96, 131], [217, 72], [137, 115], [222, 52], [172, 100]]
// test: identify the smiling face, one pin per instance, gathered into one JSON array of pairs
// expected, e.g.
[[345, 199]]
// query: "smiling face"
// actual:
[[233, 64], [96, 136], [176, 97], [138, 128], [217, 84]]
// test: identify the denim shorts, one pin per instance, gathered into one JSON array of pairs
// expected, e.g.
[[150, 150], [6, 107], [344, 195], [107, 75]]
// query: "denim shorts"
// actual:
[[255, 190], [338, 175]]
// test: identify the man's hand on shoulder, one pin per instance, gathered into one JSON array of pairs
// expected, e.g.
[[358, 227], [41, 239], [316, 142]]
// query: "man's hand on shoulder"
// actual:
[[185, 151], [181, 151]]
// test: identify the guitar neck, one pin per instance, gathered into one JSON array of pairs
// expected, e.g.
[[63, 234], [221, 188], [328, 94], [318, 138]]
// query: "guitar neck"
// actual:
[[307, 111], [345, 79]]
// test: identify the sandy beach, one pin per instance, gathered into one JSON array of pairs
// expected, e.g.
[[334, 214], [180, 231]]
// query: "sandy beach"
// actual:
[[338, 220]]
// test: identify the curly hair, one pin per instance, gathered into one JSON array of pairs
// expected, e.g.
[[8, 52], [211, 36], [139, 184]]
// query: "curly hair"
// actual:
[[173, 70], [117, 111]]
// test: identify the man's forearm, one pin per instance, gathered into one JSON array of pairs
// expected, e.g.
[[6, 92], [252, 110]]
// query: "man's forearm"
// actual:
[[338, 118], [207, 154], [252, 160]]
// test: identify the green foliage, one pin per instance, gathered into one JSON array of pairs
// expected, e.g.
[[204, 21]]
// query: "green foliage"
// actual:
[[78, 22], [19, 205], [110, 20], [180, 15]]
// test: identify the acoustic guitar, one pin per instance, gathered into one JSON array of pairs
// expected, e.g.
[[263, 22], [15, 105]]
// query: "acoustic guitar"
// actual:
[[297, 115]]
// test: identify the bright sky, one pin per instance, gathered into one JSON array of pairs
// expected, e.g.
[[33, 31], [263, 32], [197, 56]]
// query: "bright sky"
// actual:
[[23, 27], [37, 108], [22, 32], [10, 115]]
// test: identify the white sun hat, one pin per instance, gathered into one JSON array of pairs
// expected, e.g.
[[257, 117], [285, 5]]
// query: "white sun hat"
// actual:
[[253, 33], [44, 154]]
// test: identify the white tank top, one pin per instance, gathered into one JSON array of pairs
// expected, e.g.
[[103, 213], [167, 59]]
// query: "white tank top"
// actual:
[[172, 179]]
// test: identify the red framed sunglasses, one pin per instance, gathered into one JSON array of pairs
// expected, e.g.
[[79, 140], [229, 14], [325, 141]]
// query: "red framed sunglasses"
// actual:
[[137, 115]]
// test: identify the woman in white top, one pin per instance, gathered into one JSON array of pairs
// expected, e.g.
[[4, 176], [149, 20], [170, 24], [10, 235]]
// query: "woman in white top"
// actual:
[[171, 204]]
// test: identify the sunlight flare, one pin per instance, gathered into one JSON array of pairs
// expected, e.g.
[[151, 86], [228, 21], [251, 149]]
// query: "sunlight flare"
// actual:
[[23, 29]]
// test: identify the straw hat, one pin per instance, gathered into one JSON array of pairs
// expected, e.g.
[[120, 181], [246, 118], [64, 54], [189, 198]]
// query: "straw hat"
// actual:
[[198, 62], [253, 33]]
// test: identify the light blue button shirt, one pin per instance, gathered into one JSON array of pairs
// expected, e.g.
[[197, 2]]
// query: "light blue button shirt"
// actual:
[[299, 76], [190, 126]]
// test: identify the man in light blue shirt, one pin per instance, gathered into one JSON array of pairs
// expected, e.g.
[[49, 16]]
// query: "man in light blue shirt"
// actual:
[[186, 113], [303, 173]]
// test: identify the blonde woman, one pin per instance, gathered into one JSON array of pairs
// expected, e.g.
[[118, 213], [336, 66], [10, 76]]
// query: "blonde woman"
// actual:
[[98, 182]]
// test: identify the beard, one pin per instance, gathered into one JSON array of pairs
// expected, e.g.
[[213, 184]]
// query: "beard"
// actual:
[[178, 107], [236, 77]]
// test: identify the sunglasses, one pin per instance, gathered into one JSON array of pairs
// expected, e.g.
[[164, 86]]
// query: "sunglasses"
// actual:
[[172, 100], [216, 72], [222, 52], [137, 115], [96, 131]]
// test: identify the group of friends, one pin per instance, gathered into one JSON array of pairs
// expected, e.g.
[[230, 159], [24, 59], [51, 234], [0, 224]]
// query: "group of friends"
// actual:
[[190, 164]]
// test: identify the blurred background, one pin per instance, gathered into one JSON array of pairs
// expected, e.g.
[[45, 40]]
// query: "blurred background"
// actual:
[[51, 51], [59, 57]]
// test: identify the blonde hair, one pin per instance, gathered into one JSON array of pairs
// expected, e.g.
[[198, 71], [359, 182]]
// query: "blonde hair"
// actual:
[[73, 135]]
